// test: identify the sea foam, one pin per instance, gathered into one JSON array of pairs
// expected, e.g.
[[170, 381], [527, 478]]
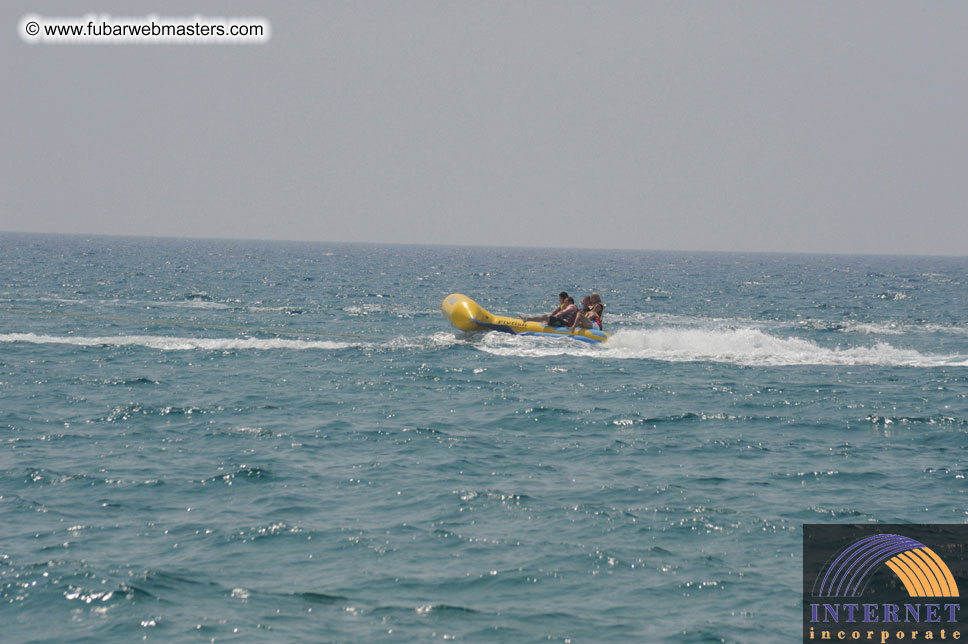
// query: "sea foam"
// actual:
[[167, 343], [741, 346]]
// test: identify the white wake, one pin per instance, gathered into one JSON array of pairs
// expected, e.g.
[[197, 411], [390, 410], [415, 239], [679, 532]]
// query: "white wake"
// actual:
[[168, 343], [741, 346]]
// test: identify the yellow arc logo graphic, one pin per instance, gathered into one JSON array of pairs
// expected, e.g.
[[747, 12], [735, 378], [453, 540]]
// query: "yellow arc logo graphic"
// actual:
[[923, 573]]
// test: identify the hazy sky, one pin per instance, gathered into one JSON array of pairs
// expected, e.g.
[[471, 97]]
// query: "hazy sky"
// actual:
[[755, 126]]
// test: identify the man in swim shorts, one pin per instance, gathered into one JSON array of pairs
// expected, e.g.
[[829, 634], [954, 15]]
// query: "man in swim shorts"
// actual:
[[564, 315]]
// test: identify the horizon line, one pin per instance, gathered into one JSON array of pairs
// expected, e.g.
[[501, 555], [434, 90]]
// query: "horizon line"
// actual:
[[470, 245]]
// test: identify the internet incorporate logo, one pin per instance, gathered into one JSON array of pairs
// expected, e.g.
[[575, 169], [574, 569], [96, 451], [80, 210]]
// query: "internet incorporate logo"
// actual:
[[889, 566]]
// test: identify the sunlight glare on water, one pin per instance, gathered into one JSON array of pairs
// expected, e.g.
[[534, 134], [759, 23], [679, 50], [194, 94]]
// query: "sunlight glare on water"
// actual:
[[353, 468]]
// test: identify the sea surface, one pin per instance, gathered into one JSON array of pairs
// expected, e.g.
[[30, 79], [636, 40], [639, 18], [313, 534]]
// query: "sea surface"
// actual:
[[239, 441]]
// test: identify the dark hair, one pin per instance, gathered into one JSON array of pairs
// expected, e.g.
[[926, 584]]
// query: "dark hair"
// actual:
[[570, 300], [563, 295]]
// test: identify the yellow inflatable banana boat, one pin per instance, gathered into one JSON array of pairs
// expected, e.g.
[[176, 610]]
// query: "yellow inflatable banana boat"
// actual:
[[467, 315]]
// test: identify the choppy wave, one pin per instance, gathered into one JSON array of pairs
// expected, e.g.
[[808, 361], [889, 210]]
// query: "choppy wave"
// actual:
[[671, 319], [743, 346], [168, 343], [890, 327], [873, 328], [235, 305], [896, 328], [208, 305], [395, 310]]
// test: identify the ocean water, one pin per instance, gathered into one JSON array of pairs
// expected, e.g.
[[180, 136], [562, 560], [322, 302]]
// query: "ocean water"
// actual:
[[276, 442]]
